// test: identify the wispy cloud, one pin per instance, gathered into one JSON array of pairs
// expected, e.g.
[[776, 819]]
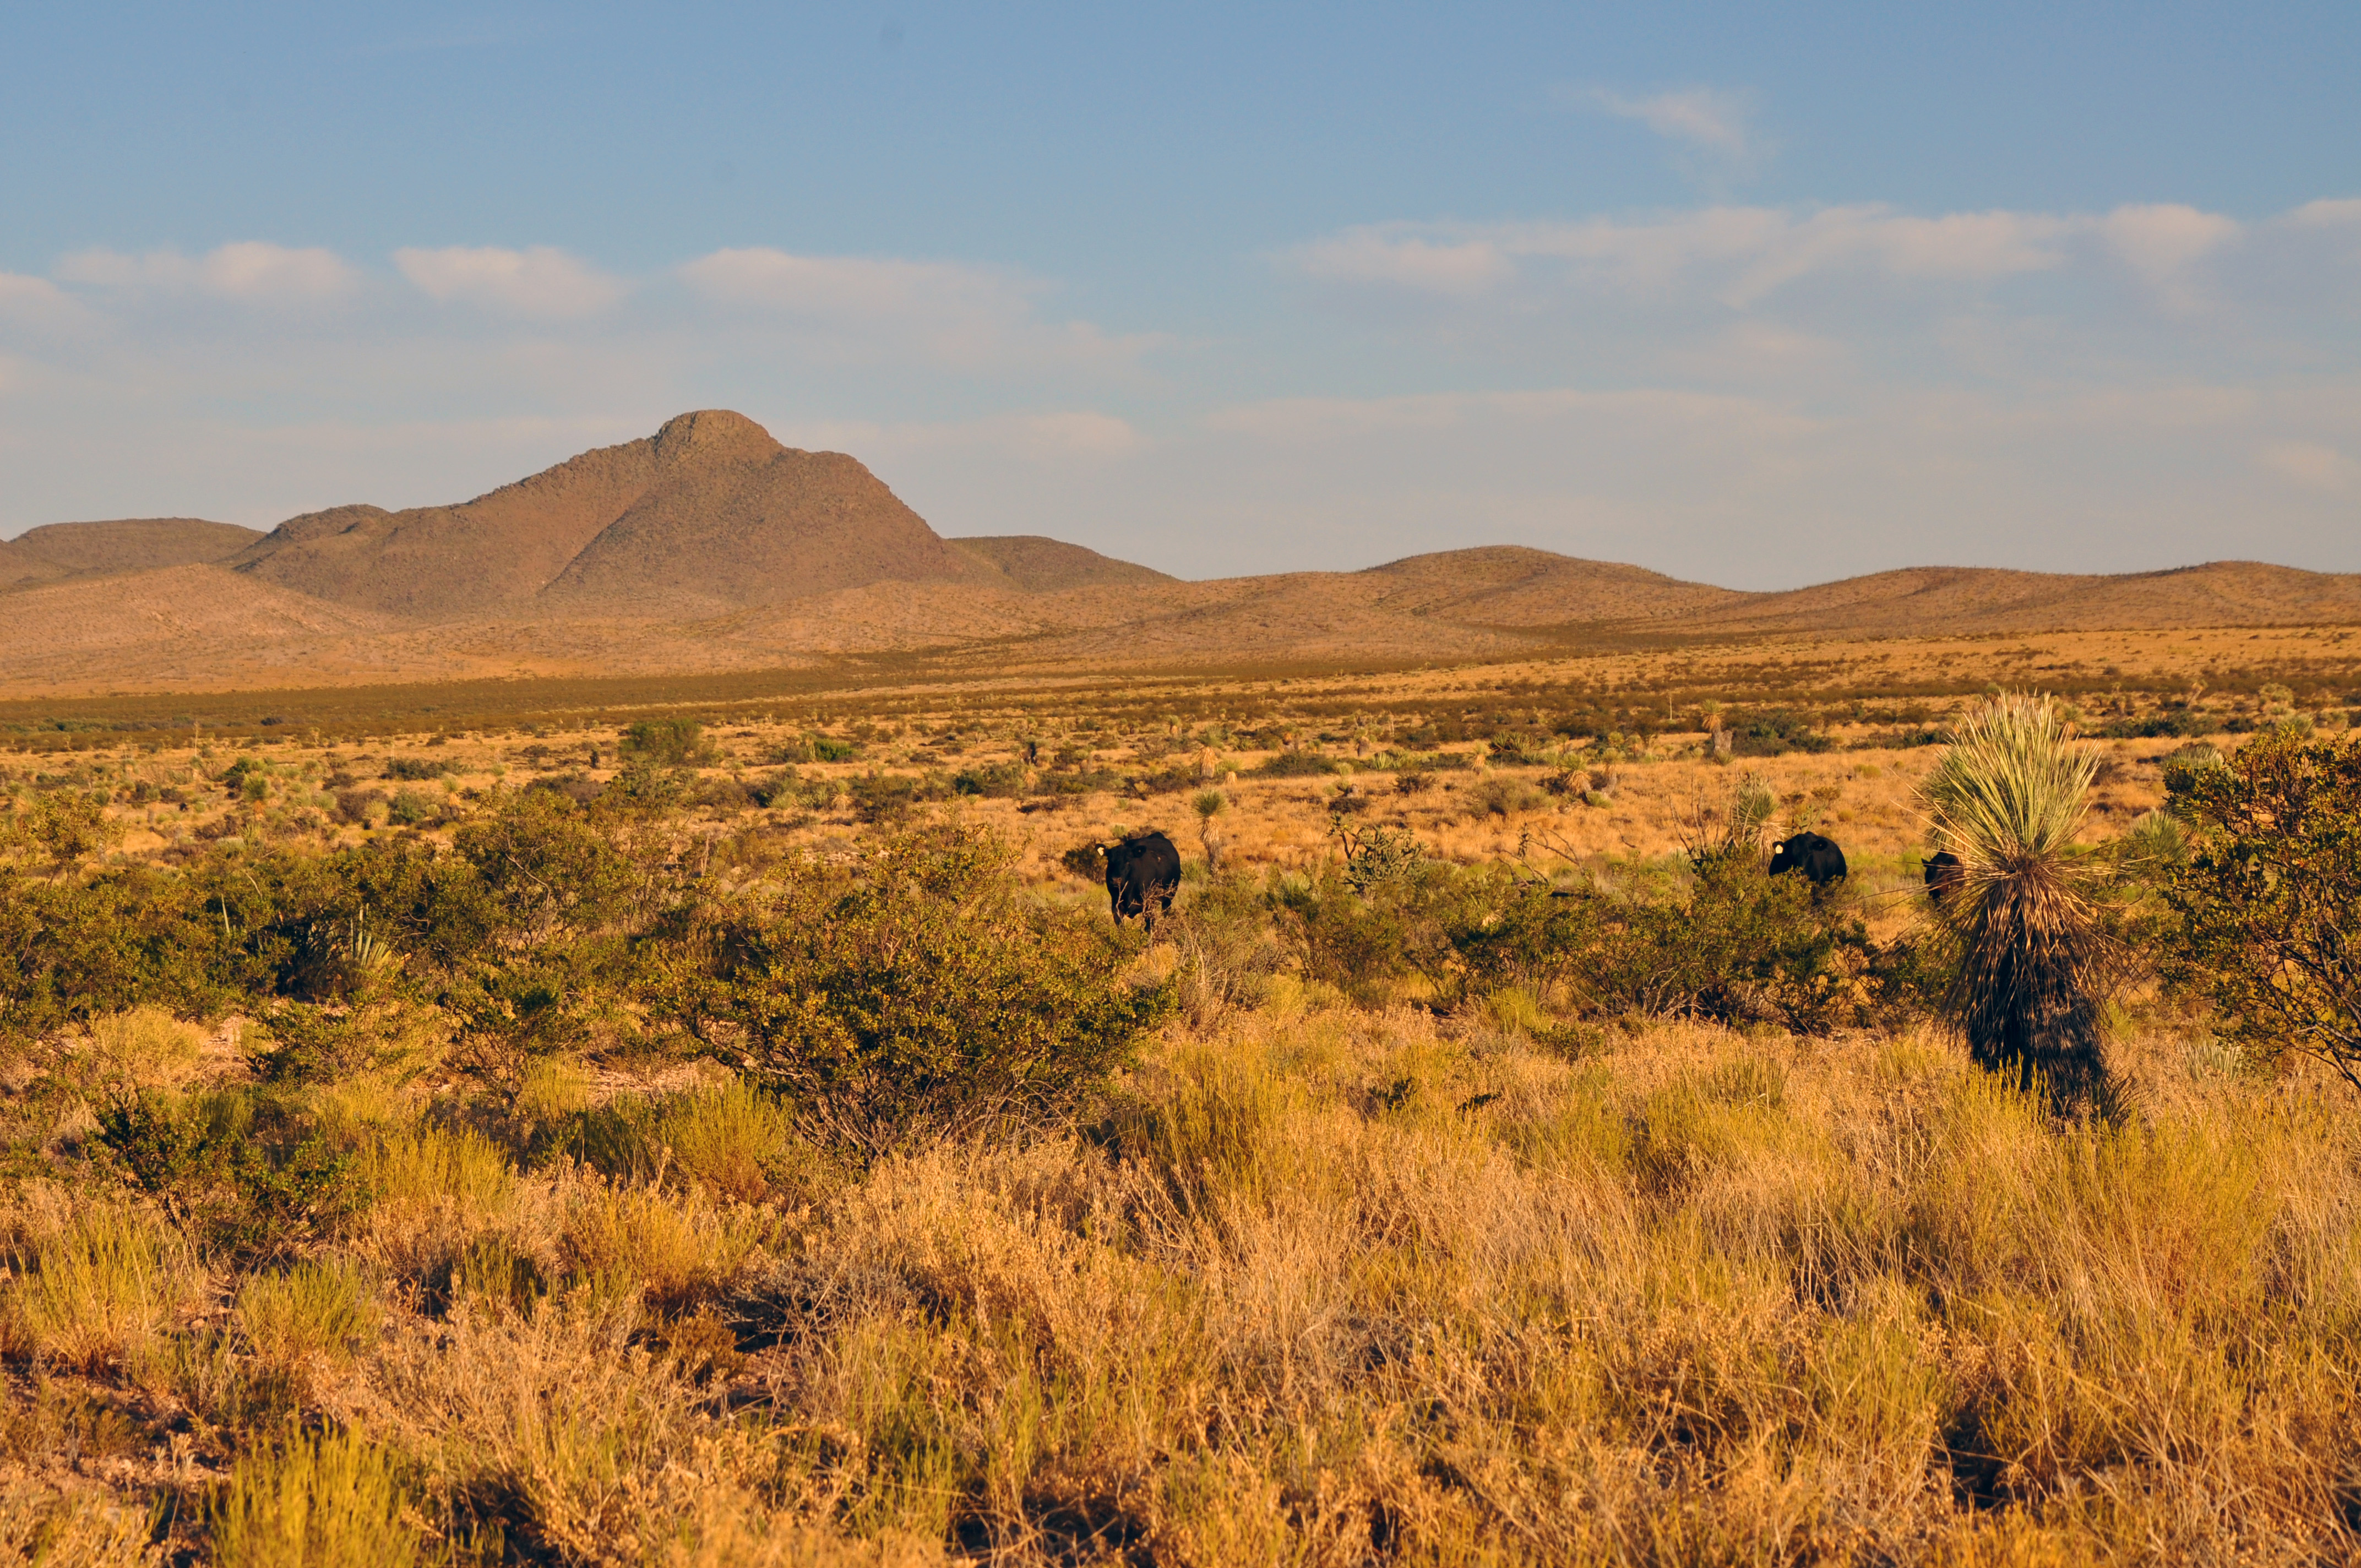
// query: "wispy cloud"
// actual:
[[254, 271], [539, 281], [1708, 123], [1741, 256], [1409, 260], [2312, 466]]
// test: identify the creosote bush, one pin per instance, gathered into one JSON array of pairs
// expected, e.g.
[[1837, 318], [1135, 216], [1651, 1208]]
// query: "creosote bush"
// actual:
[[912, 995], [2268, 898]]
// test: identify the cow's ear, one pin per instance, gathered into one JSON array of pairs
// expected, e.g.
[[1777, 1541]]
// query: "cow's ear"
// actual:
[[1779, 846]]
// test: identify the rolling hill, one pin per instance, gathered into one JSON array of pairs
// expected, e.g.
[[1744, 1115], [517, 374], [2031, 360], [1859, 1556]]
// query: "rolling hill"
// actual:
[[58, 550]]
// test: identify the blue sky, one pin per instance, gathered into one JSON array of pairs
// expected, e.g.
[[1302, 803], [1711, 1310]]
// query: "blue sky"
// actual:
[[1758, 295]]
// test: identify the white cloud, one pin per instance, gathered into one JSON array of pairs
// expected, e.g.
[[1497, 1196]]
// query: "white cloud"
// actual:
[[1740, 256], [250, 271], [2331, 214], [1078, 435], [1745, 392], [2311, 465], [852, 288], [2162, 242], [538, 281], [255, 270], [37, 302], [1755, 251], [1288, 420]]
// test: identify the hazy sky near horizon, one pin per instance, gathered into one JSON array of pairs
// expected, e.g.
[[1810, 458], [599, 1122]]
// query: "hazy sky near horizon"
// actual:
[[1760, 295]]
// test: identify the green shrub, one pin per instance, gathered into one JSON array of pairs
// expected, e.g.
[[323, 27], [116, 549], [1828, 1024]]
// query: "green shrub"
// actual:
[[61, 827], [735, 1141], [998, 781], [2154, 726], [2268, 905], [1349, 939], [1294, 765], [1739, 947], [243, 1170], [361, 807], [667, 742], [788, 788], [1502, 795], [817, 749], [545, 866], [412, 808], [912, 994], [1774, 733], [2182, 770], [418, 769]]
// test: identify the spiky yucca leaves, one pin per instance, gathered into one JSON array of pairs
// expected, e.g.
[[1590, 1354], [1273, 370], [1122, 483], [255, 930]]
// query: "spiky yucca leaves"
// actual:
[[2006, 798], [1729, 832]]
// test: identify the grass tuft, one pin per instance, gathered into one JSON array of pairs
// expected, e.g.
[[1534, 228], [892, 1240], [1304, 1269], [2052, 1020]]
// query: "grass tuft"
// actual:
[[315, 1311], [99, 1290], [333, 1499]]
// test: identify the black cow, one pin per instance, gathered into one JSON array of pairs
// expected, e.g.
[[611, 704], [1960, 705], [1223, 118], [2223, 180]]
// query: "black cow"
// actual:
[[1819, 858], [1944, 874], [1143, 872]]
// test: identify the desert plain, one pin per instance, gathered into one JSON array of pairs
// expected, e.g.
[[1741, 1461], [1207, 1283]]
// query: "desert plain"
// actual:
[[584, 1025]]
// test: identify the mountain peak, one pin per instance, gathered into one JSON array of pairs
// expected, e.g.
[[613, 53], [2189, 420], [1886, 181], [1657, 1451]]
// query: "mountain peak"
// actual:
[[710, 433], [708, 511]]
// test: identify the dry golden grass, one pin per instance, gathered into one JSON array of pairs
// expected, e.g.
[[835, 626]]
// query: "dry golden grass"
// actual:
[[1321, 1285], [1331, 1286]]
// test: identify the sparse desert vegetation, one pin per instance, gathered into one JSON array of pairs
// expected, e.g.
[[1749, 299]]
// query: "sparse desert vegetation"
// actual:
[[732, 1131]]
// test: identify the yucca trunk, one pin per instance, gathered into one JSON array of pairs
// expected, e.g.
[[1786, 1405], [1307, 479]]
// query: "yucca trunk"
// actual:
[[2006, 798], [2031, 980]]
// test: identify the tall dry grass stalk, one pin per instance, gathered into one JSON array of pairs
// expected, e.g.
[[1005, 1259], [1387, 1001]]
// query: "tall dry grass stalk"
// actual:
[[98, 1290], [2007, 797], [332, 1499]]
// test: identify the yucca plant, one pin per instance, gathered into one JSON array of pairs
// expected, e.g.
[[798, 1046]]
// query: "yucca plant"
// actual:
[[2007, 797], [1720, 834], [1209, 803]]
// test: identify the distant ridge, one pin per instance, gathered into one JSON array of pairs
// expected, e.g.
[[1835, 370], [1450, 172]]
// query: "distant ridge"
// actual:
[[1950, 599], [709, 546], [1041, 565], [1511, 585], [59, 550]]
